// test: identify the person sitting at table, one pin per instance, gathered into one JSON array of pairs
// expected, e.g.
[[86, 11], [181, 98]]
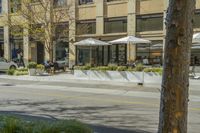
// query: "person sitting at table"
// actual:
[[145, 61]]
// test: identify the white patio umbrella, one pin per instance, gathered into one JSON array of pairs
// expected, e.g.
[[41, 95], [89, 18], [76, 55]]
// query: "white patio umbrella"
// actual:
[[91, 42], [196, 38], [129, 39]]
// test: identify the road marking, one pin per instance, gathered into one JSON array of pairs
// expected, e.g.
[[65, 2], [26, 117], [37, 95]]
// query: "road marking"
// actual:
[[119, 101]]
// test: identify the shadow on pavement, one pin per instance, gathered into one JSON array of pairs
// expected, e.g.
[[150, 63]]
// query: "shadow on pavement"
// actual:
[[96, 128]]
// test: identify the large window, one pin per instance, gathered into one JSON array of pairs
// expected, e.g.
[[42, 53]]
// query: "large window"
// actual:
[[15, 6], [150, 23], [81, 2], [86, 27], [115, 25], [60, 3]]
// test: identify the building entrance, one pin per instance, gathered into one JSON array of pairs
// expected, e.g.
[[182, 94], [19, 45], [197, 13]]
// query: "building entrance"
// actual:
[[40, 53]]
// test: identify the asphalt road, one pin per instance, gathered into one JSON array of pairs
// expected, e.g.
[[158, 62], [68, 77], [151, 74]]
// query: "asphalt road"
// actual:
[[108, 108]]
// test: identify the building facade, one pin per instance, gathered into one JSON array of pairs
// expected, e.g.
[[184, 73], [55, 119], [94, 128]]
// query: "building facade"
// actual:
[[101, 19]]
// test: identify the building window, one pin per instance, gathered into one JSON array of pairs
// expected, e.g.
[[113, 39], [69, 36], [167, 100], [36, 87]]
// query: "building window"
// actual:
[[86, 27], [115, 25], [15, 6], [0, 6], [81, 2], [60, 3], [149, 23]]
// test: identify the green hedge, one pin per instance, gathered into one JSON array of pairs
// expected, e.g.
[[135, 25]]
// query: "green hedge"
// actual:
[[16, 125], [138, 68], [18, 72]]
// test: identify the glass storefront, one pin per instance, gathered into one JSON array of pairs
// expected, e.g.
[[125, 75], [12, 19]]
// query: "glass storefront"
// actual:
[[153, 52], [96, 55], [118, 54]]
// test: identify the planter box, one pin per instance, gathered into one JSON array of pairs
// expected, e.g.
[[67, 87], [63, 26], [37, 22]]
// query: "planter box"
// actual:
[[117, 76], [152, 77], [40, 72], [81, 74], [32, 72], [98, 75], [120, 76], [136, 77]]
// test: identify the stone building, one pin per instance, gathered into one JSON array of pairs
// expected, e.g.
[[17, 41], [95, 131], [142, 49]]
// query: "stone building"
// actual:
[[105, 20]]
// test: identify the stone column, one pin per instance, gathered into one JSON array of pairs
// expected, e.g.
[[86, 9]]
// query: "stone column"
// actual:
[[131, 29], [72, 32], [7, 50], [26, 47], [99, 17]]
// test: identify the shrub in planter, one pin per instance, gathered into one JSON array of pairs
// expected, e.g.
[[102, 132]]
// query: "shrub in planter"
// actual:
[[155, 70], [131, 69], [87, 67], [40, 69], [18, 73], [32, 68], [112, 67], [32, 65], [121, 68], [139, 67], [10, 72]]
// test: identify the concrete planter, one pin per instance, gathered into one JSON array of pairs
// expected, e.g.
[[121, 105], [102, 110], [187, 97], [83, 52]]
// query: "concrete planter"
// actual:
[[81, 74], [98, 75], [120, 76], [136, 77], [117, 76], [151, 77], [32, 71], [40, 71]]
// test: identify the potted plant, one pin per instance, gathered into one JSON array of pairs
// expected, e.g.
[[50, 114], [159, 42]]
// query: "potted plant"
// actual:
[[40, 69], [32, 68]]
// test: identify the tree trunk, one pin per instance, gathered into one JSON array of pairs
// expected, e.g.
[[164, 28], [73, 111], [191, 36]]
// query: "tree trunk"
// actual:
[[175, 84]]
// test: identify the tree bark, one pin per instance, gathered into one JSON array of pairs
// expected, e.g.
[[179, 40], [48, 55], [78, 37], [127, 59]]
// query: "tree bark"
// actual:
[[175, 84]]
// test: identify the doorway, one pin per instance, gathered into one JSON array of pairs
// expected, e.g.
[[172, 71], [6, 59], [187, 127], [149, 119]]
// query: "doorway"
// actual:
[[40, 53]]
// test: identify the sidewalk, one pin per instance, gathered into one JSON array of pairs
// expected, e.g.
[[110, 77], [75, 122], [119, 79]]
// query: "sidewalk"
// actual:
[[67, 77]]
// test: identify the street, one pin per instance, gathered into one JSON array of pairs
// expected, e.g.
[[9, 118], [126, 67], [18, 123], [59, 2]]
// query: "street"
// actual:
[[109, 108]]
